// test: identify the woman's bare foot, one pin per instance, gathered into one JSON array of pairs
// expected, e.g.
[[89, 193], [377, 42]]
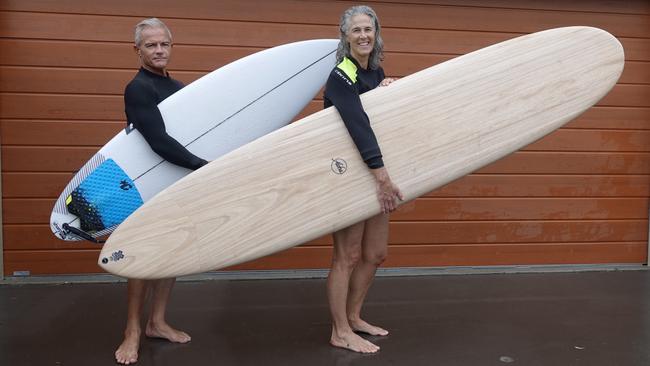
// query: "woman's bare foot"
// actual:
[[359, 325], [165, 331], [352, 341], [127, 352]]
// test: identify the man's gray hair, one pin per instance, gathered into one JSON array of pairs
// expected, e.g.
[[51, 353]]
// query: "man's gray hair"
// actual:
[[343, 50], [149, 23]]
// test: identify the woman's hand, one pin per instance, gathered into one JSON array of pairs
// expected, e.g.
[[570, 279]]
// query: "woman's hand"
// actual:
[[387, 81], [387, 192]]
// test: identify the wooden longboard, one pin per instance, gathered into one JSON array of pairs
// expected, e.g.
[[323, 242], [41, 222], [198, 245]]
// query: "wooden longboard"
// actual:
[[307, 179]]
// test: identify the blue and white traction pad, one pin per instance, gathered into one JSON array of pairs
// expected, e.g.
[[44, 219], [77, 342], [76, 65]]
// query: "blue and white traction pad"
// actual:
[[104, 199]]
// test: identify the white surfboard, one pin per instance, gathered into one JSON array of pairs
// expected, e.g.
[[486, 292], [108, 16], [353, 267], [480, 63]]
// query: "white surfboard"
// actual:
[[213, 115], [307, 179]]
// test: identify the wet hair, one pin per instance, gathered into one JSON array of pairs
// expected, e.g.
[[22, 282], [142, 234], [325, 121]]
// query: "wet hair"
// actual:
[[149, 23], [377, 54]]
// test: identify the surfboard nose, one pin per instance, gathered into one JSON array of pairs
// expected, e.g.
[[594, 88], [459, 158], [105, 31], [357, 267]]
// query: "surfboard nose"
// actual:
[[610, 48]]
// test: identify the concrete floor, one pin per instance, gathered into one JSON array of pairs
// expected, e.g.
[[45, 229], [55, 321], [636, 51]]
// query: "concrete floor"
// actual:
[[580, 318]]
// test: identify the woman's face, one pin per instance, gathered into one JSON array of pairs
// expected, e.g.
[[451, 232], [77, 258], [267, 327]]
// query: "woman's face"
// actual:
[[361, 37]]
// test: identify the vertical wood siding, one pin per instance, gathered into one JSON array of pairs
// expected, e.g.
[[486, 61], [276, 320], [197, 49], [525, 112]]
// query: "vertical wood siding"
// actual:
[[579, 195]]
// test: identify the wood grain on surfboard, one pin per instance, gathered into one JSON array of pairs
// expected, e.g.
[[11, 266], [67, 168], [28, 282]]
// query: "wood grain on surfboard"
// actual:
[[307, 179]]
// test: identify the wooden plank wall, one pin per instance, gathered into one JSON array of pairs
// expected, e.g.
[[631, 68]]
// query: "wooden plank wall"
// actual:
[[578, 196]]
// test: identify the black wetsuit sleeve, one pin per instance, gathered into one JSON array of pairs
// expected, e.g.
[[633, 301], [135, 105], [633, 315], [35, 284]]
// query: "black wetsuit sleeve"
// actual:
[[142, 111], [345, 98]]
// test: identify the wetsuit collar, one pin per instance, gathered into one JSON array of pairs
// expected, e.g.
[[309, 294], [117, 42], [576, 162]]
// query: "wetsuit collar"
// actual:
[[153, 74], [355, 62]]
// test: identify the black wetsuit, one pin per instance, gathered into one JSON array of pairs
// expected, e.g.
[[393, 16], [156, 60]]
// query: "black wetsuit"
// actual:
[[141, 99], [346, 82]]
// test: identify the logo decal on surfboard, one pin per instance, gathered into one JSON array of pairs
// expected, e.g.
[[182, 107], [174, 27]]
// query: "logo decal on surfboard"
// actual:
[[116, 256], [125, 186], [339, 166]]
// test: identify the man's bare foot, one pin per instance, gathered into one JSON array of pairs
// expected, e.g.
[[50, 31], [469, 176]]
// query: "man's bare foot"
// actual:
[[353, 342], [164, 331], [359, 325], [127, 352]]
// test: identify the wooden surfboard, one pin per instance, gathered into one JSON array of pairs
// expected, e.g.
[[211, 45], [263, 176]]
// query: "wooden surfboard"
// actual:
[[307, 179]]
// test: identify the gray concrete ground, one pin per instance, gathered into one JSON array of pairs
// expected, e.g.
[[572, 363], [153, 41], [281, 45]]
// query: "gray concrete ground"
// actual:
[[575, 318]]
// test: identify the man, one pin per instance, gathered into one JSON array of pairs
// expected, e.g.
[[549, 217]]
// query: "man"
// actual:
[[151, 85]]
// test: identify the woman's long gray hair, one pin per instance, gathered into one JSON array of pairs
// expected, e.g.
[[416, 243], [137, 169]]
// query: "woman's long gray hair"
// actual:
[[377, 54]]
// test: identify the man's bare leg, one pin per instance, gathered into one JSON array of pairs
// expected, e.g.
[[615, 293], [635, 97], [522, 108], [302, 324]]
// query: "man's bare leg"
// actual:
[[375, 247], [127, 352], [157, 326], [347, 251]]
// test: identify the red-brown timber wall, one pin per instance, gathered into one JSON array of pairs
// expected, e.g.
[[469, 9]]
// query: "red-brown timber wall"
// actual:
[[578, 196]]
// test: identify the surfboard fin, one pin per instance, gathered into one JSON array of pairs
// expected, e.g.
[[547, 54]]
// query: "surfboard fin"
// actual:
[[82, 234]]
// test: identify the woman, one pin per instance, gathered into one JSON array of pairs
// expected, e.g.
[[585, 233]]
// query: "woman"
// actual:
[[362, 247]]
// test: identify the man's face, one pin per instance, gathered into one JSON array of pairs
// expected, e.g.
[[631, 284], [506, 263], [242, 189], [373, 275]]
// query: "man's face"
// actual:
[[154, 50]]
